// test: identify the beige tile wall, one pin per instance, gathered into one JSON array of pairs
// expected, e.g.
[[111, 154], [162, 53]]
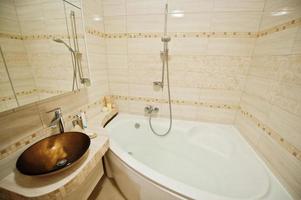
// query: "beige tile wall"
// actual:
[[219, 71], [207, 68], [223, 64], [272, 94], [16, 60], [96, 49]]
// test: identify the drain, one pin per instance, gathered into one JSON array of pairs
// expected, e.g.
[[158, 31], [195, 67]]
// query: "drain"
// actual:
[[61, 163], [137, 125], [130, 153]]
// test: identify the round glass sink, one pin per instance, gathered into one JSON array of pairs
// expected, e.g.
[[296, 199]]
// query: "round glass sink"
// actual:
[[53, 153]]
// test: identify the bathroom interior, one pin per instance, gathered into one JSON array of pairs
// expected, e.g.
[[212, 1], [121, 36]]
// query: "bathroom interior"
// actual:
[[150, 99]]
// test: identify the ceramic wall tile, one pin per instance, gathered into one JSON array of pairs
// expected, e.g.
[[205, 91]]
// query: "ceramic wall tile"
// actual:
[[297, 43], [143, 90], [286, 165], [280, 43], [142, 7], [144, 46], [189, 46], [17, 125], [145, 23], [187, 22], [116, 46], [271, 94], [235, 21], [115, 24], [224, 116], [231, 47], [237, 5], [190, 6], [278, 12], [114, 7]]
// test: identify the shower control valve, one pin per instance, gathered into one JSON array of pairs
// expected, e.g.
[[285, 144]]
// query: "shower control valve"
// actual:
[[149, 109], [156, 110]]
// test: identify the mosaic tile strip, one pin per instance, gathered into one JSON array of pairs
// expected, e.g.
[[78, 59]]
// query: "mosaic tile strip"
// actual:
[[272, 134], [281, 27], [185, 35], [36, 36], [177, 102], [23, 142], [11, 36], [31, 92], [290, 24], [95, 32], [69, 187]]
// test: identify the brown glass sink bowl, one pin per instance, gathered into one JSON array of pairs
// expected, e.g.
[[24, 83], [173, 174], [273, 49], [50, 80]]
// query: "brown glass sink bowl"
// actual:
[[53, 153]]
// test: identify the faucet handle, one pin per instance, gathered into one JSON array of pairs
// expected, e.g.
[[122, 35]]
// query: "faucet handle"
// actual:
[[148, 109], [55, 110]]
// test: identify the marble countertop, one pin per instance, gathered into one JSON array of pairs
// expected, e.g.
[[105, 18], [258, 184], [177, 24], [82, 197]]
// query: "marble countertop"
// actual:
[[14, 184]]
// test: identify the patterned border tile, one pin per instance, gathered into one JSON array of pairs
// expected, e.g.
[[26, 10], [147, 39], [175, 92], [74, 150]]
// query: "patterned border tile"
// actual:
[[36, 36], [272, 134], [281, 27], [178, 102], [30, 92], [184, 35]]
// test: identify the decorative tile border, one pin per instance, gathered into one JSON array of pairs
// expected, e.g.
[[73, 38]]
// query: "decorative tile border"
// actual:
[[185, 35], [272, 134], [290, 24], [66, 189], [281, 27], [31, 92], [95, 32], [11, 36], [178, 102], [21, 93], [36, 36], [23, 142]]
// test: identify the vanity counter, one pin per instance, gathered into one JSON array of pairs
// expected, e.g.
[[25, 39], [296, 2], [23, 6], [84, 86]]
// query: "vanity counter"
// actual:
[[15, 185]]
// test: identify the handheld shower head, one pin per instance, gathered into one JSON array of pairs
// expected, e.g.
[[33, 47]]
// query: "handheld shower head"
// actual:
[[58, 40]]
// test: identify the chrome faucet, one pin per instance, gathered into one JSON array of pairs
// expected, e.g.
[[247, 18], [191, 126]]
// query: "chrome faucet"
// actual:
[[149, 109], [57, 120]]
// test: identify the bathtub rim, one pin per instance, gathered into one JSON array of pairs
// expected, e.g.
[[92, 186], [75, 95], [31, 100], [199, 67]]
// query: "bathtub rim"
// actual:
[[174, 186]]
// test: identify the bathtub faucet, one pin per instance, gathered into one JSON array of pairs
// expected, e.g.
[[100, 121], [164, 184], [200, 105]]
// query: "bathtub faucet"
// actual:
[[149, 109]]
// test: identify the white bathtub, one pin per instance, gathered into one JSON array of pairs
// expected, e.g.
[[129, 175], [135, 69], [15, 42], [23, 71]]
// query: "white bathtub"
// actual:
[[196, 160]]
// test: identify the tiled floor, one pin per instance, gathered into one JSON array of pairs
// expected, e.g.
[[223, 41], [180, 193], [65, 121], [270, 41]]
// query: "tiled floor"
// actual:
[[105, 190]]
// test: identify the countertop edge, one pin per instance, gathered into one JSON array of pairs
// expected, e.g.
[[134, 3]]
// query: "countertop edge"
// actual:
[[68, 187]]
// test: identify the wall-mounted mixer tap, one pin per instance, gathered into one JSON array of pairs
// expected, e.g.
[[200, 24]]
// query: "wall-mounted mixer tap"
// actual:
[[149, 109]]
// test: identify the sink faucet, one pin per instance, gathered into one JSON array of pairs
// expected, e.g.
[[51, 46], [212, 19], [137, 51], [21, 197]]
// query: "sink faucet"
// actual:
[[57, 120]]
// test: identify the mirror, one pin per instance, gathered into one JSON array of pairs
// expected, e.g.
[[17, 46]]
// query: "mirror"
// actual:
[[43, 50]]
